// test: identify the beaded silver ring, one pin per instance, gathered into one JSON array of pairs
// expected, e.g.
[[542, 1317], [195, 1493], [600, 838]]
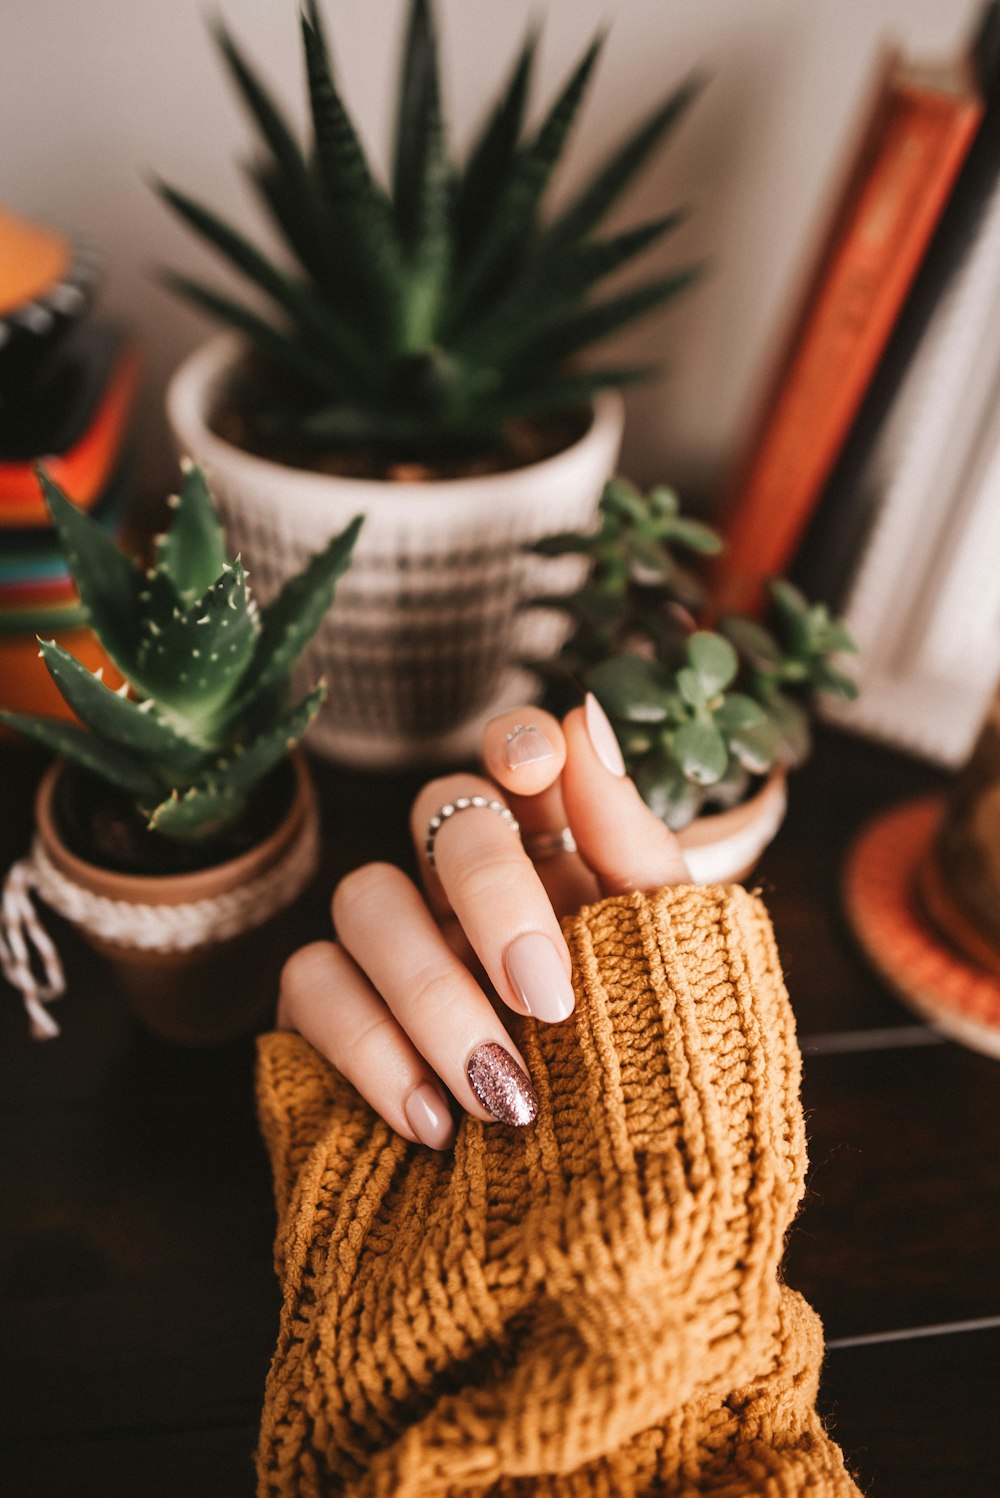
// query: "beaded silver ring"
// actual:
[[465, 803]]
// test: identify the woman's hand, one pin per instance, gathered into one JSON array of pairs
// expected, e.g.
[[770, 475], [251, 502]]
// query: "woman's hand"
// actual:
[[399, 1004]]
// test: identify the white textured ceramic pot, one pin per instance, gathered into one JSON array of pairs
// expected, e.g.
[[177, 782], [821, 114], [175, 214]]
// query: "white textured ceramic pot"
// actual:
[[418, 649], [724, 847]]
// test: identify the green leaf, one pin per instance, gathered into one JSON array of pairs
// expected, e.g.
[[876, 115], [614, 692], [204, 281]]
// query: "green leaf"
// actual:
[[632, 689], [666, 790], [368, 230], [582, 329], [192, 550], [580, 266], [790, 722], [757, 747], [319, 324], [289, 622], [604, 189], [265, 114], [108, 583], [568, 392], [827, 678], [207, 807], [493, 155], [714, 659], [420, 171], [695, 536], [513, 217], [285, 351], [196, 661], [701, 752], [690, 687], [114, 765], [738, 712], [117, 719], [752, 640]]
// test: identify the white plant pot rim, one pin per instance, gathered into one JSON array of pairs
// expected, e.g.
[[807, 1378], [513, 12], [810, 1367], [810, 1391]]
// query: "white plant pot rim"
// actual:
[[190, 396], [720, 847]]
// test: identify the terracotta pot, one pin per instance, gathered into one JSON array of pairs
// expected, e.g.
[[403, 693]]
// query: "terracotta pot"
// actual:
[[420, 646], [724, 847], [215, 992]]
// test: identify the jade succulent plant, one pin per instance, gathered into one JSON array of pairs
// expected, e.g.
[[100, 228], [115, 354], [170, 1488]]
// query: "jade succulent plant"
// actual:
[[698, 712], [425, 314], [203, 714]]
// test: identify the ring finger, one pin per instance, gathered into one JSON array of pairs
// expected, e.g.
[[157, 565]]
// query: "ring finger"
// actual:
[[480, 866]]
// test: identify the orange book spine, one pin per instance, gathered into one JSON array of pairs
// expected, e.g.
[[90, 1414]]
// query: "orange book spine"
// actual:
[[911, 157]]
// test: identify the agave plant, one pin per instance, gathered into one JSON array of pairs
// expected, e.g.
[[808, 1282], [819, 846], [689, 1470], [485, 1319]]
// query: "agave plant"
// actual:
[[698, 712], [203, 714], [427, 313]]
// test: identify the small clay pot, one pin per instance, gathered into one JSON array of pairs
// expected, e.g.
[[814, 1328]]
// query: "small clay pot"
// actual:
[[214, 993], [724, 847]]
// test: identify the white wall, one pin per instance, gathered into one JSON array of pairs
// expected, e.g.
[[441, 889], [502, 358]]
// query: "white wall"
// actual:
[[96, 93]]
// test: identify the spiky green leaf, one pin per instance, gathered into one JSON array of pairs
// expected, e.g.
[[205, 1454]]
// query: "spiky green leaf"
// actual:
[[516, 206], [196, 661], [118, 720], [285, 351], [604, 189], [492, 158], [192, 550], [420, 170], [112, 764], [109, 584], [289, 622], [204, 809]]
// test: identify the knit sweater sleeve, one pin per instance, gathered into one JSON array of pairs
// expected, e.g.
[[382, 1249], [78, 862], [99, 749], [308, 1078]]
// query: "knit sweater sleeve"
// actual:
[[590, 1305]]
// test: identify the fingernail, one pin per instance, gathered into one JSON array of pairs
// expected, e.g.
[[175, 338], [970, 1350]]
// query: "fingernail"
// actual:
[[500, 1085], [602, 736], [526, 745], [428, 1117], [539, 978]]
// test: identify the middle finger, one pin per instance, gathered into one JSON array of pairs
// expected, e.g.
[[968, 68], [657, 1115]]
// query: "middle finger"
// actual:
[[496, 895]]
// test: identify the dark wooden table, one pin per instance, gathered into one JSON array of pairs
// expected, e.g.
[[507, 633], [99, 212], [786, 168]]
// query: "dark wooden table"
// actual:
[[139, 1306]]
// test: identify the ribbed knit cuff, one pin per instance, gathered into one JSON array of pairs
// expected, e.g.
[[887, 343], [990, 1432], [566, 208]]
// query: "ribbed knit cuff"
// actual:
[[587, 1305]]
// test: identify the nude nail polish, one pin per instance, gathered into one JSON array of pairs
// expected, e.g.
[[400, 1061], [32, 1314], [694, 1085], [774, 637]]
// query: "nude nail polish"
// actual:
[[500, 1085], [602, 736], [526, 745], [428, 1116], [539, 978]]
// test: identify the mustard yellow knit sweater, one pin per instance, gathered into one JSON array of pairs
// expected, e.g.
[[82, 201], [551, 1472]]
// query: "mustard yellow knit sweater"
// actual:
[[587, 1306]]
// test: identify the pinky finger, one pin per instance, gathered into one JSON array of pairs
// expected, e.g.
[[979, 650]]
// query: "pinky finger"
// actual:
[[330, 1002]]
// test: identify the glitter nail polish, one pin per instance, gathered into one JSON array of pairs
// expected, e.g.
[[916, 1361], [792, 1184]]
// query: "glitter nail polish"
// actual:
[[500, 1085]]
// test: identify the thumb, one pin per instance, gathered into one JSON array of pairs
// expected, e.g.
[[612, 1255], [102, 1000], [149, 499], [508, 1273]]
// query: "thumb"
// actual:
[[619, 838]]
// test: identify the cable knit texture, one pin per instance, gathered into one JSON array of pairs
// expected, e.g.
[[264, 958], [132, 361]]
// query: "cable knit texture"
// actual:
[[588, 1306]]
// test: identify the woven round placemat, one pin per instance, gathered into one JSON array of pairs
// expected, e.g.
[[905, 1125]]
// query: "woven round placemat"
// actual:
[[880, 880]]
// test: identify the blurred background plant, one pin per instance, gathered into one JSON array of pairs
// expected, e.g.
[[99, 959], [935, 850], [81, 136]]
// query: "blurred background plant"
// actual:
[[425, 315], [699, 713]]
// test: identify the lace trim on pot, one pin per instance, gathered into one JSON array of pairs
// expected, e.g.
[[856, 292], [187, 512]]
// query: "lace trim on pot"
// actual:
[[25, 944]]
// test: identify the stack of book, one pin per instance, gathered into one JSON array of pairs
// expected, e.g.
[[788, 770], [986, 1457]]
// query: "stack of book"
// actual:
[[873, 478], [67, 392]]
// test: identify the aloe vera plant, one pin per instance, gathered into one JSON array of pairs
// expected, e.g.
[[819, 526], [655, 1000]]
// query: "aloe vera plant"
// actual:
[[425, 314], [203, 715], [698, 712]]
